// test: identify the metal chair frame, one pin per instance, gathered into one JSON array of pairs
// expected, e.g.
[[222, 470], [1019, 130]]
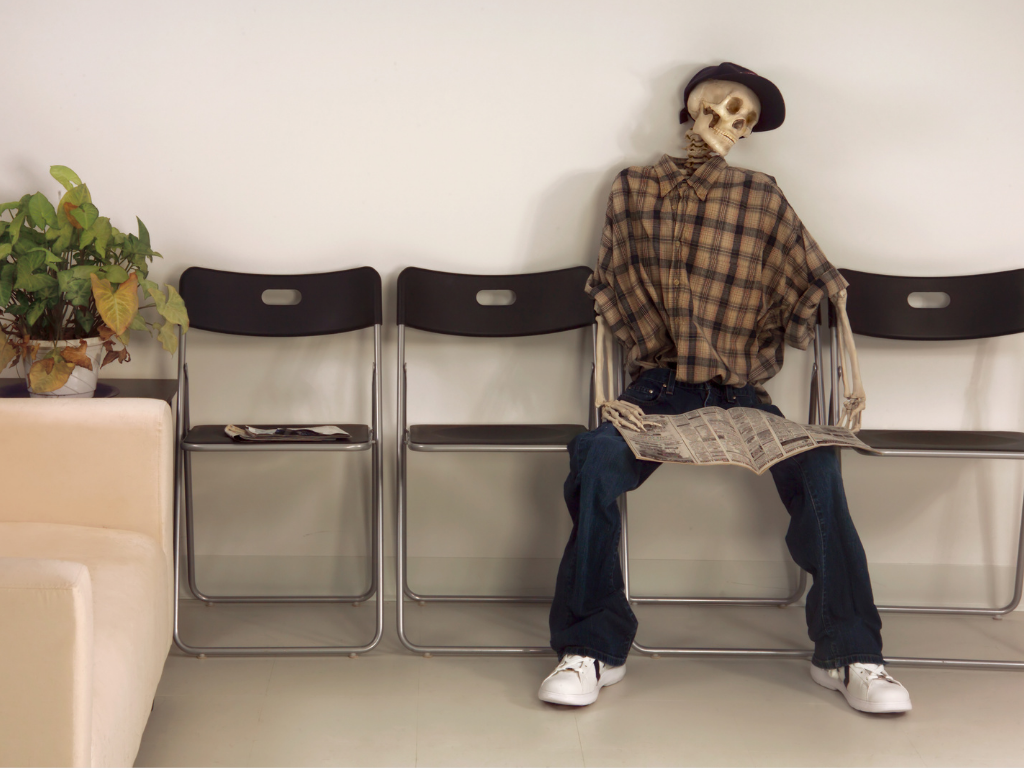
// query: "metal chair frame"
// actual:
[[816, 415], [404, 444], [183, 506]]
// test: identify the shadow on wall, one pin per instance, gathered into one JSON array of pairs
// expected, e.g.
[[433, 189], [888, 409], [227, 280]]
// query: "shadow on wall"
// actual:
[[567, 223]]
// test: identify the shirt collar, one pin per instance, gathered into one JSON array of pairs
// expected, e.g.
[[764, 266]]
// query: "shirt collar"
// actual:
[[701, 180]]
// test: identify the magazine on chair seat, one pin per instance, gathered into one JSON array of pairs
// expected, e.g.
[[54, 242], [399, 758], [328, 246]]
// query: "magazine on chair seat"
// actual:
[[745, 437]]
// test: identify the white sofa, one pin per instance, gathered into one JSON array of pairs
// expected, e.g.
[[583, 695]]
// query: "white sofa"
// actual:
[[86, 490]]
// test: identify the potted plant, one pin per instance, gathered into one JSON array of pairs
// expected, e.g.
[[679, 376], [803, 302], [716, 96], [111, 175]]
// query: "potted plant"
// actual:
[[69, 290]]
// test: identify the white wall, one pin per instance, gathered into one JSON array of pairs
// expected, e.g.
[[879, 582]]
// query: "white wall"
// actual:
[[482, 137]]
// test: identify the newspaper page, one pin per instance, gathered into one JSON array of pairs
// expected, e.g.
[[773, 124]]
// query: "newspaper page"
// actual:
[[325, 433], [746, 437]]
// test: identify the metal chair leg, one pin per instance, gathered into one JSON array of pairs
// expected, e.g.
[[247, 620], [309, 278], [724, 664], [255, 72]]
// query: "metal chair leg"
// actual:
[[401, 560]]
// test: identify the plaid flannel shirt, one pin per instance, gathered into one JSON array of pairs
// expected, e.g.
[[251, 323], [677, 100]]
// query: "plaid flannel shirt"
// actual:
[[713, 272]]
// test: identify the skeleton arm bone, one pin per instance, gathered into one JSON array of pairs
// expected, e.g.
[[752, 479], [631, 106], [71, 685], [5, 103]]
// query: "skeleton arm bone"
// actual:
[[855, 398], [621, 414]]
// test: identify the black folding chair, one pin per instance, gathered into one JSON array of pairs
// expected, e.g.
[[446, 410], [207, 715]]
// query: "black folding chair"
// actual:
[[965, 307], [233, 303], [446, 303]]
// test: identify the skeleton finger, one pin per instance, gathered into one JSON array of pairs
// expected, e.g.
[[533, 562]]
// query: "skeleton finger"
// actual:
[[625, 415]]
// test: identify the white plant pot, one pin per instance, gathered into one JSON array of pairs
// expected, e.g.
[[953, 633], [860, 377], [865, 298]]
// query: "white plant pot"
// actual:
[[82, 382]]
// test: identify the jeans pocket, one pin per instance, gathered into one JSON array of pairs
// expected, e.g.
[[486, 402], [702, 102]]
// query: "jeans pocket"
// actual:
[[641, 393]]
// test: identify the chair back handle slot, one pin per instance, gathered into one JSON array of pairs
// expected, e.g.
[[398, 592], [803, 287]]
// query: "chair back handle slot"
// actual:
[[928, 299], [496, 298], [281, 297]]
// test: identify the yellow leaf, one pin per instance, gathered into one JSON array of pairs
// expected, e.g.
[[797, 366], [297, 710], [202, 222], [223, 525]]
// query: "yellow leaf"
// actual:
[[168, 337], [48, 374], [117, 308], [7, 352], [77, 355], [173, 309]]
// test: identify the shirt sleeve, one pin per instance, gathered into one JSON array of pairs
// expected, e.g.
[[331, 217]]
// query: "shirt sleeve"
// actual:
[[798, 276], [613, 261]]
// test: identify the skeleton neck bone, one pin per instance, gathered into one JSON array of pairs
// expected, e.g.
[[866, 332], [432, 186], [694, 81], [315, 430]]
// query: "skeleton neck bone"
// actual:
[[697, 153]]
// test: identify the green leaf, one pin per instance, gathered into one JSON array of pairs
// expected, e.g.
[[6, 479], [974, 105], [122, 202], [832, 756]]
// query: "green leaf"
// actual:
[[17, 310], [27, 279], [143, 233], [85, 214], [77, 290], [5, 250], [51, 259], [9, 206], [7, 272], [65, 176], [133, 245], [84, 270], [31, 261], [115, 274], [167, 337], [117, 308], [41, 212], [34, 313], [102, 231], [66, 233], [84, 320], [33, 283], [138, 323], [15, 228]]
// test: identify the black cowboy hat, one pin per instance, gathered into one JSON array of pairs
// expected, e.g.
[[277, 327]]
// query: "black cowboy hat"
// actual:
[[773, 108]]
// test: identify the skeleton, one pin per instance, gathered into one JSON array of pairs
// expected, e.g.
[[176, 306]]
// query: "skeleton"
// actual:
[[723, 113]]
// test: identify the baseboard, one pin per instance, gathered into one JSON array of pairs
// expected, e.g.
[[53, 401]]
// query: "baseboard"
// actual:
[[893, 583]]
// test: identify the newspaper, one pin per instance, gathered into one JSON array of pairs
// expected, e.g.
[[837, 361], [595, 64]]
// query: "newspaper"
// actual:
[[745, 437], [286, 434]]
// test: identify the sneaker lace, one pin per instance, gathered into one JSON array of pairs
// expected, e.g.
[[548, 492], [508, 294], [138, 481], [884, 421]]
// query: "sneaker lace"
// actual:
[[572, 664], [877, 672]]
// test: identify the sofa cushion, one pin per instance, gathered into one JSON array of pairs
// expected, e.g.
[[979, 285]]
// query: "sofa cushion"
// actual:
[[131, 619]]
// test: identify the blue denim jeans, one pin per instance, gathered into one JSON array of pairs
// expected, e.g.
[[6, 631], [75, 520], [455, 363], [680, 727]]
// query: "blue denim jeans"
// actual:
[[590, 615]]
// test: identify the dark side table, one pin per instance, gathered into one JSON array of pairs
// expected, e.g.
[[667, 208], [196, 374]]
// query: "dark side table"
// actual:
[[159, 389]]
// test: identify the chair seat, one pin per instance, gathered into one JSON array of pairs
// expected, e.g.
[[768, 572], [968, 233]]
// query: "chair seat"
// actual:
[[211, 437], [939, 440], [492, 436]]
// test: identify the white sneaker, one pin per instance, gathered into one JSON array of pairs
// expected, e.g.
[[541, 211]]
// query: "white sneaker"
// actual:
[[867, 687], [577, 680]]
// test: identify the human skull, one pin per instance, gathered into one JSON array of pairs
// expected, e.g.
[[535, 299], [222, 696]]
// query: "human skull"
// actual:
[[723, 112]]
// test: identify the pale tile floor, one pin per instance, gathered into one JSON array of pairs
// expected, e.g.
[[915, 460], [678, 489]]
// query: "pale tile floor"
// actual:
[[390, 707]]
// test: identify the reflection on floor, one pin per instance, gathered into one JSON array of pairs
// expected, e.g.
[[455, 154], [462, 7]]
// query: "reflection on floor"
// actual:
[[390, 707]]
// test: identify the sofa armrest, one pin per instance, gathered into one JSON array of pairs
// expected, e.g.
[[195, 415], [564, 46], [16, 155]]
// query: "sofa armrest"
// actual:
[[46, 662], [106, 463]]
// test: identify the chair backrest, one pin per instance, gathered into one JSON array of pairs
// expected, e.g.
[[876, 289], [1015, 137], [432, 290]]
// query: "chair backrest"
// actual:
[[446, 302], [980, 306], [329, 302]]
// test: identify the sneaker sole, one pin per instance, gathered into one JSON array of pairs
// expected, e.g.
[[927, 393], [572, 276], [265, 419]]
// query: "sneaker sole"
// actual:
[[825, 680], [609, 677]]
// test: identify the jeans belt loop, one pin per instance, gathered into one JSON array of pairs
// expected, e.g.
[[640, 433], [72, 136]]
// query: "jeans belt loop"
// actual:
[[670, 386]]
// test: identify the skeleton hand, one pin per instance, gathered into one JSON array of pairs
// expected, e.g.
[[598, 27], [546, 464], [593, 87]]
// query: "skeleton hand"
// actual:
[[852, 408], [855, 398], [624, 415]]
